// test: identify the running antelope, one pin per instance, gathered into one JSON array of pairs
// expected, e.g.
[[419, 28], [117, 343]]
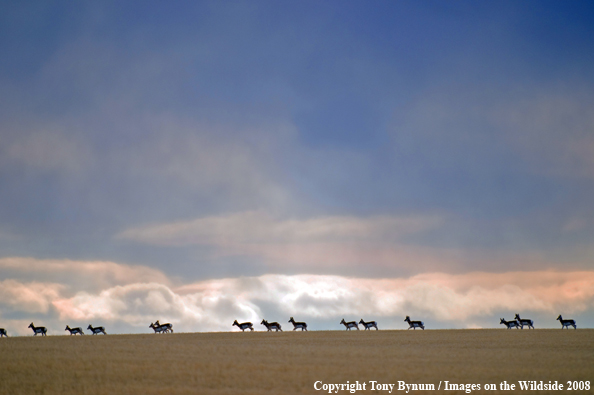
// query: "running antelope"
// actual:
[[414, 324], [3, 332], [74, 331], [271, 325], [167, 327], [298, 325], [97, 329], [158, 328], [349, 325], [510, 324], [524, 321], [368, 325], [38, 329], [566, 323], [243, 326]]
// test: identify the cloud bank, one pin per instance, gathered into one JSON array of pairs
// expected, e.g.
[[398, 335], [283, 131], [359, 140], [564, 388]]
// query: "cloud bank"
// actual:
[[127, 304]]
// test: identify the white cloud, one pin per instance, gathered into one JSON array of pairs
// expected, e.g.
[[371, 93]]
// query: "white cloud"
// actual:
[[32, 297], [213, 305], [141, 296]]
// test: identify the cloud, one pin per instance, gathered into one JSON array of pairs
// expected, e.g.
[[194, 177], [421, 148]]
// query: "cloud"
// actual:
[[444, 300], [260, 228], [454, 299], [173, 151], [202, 156], [328, 240], [33, 297], [131, 303], [361, 246], [77, 275]]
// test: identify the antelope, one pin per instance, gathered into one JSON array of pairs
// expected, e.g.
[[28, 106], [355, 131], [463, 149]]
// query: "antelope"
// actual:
[[524, 321], [297, 325], [97, 329], [510, 324], [368, 325], [271, 325], [566, 323], [243, 326], [414, 324], [167, 327], [3, 332], [349, 325], [74, 331], [158, 328], [38, 329]]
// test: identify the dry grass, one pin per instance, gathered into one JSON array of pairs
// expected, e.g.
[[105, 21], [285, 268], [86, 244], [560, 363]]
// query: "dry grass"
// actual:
[[288, 362]]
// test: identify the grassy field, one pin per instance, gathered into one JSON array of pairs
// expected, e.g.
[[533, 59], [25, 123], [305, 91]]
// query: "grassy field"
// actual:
[[289, 362]]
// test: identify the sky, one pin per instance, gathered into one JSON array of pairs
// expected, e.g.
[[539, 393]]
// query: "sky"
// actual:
[[204, 162]]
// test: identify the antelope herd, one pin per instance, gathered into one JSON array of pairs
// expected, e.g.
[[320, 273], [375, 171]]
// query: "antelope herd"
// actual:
[[517, 323]]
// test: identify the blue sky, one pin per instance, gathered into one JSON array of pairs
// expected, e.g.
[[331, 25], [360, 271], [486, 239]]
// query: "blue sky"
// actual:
[[205, 143]]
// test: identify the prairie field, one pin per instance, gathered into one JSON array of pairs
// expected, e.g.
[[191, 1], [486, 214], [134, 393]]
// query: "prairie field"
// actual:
[[290, 362]]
